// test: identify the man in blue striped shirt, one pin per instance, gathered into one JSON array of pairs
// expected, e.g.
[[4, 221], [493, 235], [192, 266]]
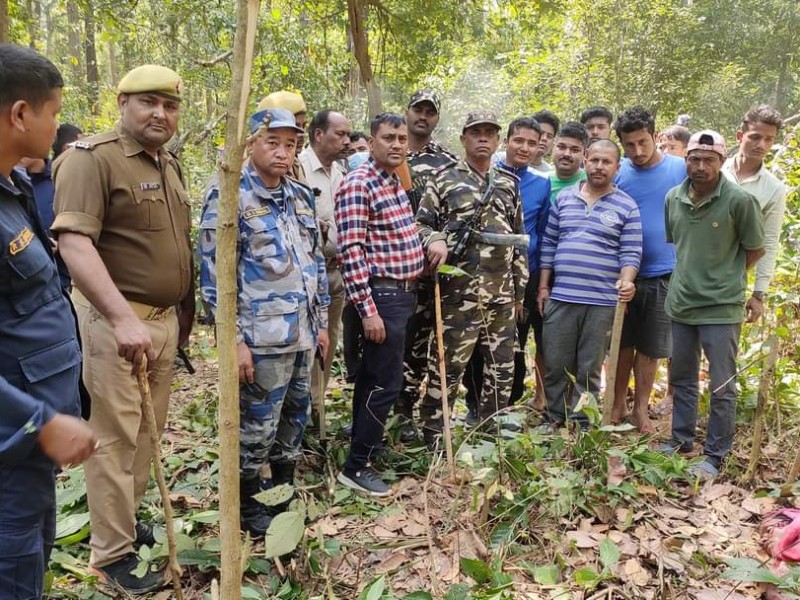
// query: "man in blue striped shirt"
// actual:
[[593, 242]]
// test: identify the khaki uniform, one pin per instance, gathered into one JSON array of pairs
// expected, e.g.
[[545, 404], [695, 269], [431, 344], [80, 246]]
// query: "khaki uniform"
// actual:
[[137, 213], [477, 308]]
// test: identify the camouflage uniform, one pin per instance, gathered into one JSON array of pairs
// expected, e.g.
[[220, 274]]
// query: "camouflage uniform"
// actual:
[[282, 304], [418, 331], [477, 309]]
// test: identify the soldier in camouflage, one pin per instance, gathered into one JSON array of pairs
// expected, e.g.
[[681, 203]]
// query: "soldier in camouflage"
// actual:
[[282, 307], [478, 309], [424, 157]]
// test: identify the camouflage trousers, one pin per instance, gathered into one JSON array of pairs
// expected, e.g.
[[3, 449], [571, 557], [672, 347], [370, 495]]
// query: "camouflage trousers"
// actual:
[[274, 412], [466, 327], [415, 356]]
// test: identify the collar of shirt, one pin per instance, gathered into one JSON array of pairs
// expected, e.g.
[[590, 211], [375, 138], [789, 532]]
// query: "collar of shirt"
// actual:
[[132, 147], [13, 185], [310, 156], [518, 171], [579, 194], [375, 169], [259, 188], [685, 197], [730, 167]]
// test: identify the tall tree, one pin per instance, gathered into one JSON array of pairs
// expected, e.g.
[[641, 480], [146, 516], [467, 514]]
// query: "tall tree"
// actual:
[[356, 12], [90, 58], [3, 21]]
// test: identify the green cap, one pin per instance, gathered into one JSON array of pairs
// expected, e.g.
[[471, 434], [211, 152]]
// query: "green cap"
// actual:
[[152, 79]]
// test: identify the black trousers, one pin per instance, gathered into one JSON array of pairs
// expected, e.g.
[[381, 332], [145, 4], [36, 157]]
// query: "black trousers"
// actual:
[[380, 376]]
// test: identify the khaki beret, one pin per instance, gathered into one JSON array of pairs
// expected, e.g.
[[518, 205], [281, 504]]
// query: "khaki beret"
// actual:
[[291, 101], [152, 79]]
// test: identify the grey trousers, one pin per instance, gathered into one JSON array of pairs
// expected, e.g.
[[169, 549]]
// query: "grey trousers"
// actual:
[[720, 343], [575, 341]]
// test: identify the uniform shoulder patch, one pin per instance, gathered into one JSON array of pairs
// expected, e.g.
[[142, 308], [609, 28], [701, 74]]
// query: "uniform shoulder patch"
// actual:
[[22, 241], [92, 141]]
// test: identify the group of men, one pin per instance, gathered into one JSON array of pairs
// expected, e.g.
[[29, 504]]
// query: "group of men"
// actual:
[[329, 247]]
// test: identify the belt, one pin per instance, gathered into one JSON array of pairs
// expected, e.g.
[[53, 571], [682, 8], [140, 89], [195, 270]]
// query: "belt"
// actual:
[[144, 311], [407, 285]]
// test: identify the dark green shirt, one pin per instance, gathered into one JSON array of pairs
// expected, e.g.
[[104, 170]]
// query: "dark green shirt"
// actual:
[[711, 238]]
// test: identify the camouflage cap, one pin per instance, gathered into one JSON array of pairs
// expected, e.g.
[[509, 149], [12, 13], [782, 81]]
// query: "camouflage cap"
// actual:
[[152, 79], [291, 101], [274, 118], [425, 95], [480, 117]]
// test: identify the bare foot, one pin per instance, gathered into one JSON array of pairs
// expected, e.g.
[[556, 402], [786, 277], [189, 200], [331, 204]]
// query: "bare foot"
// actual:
[[538, 403], [618, 415], [642, 421]]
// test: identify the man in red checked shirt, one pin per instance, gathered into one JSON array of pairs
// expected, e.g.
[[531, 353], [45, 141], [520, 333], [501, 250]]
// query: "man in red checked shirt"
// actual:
[[380, 257]]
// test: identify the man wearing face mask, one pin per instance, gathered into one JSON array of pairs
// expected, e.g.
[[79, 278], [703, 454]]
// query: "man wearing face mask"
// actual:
[[123, 221], [473, 199]]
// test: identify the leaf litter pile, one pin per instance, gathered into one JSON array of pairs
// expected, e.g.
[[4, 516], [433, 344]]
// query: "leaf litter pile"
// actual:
[[572, 515]]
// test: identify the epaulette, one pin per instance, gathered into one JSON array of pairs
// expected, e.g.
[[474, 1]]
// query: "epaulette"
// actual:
[[451, 163], [92, 141], [512, 176]]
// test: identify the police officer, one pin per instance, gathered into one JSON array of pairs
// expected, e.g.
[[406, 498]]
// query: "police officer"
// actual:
[[424, 157], [123, 218], [295, 104], [39, 352], [479, 309], [283, 301]]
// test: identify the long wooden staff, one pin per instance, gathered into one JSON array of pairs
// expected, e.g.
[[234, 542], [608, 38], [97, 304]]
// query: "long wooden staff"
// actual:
[[448, 439], [613, 359]]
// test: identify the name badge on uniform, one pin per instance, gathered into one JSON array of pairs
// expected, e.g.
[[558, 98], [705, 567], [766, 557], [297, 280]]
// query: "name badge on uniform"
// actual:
[[22, 241], [255, 212], [149, 187]]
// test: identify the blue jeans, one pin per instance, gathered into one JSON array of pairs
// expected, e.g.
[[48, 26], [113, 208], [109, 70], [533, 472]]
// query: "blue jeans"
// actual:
[[27, 527], [720, 343], [380, 377]]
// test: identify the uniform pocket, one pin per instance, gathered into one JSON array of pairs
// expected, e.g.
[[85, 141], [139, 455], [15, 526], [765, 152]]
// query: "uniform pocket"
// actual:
[[275, 322], [151, 209], [37, 280], [264, 238], [53, 373]]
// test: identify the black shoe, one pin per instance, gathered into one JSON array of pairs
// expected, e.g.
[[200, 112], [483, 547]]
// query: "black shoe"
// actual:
[[253, 516], [119, 574], [407, 433], [346, 432], [472, 419], [144, 535], [366, 480]]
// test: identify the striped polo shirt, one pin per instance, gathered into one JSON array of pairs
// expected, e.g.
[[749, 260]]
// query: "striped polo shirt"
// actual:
[[587, 246]]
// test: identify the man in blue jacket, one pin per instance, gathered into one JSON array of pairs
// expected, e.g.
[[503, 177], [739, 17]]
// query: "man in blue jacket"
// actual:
[[40, 359], [522, 142]]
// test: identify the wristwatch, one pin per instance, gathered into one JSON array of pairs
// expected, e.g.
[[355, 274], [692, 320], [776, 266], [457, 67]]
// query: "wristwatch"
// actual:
[[760, 296]]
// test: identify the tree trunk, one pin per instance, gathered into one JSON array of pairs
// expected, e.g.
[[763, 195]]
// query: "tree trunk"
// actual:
[[3, 21], [113, 70], [227, 226], [780, 87], [74, 40], [90, 57], [358, 32], [764, 386]]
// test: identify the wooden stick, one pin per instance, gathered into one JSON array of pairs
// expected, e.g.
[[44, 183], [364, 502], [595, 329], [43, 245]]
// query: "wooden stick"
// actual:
[[613, 359], [155, 448], [448, 439], [795, 472], [764, 384]]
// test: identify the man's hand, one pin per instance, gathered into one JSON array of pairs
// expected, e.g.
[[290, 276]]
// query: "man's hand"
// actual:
[[627, 290], [374, 331], [544, 294], [754, 308], [67, 440], [324, 342], [520, 313], [245, 359], [133, 342], [437, 253]]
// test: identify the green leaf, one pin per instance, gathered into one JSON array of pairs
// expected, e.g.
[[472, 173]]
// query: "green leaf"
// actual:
[[72, 529], [276, 495], [284, 533], [609, 553], [459, 591], [586, 577], [748, 569], [249, 593], [451, 270], [374, 590], [545, 574], [418, 595], [206, 516], [477, 569]]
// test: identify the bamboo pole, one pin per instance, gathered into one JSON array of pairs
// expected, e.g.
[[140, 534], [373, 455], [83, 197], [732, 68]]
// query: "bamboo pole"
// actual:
[[613, 359], [448, 438], [764, 384], [227, 230], [155, 448]]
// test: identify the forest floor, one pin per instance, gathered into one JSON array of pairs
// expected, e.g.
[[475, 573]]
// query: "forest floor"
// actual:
[[567, 516]]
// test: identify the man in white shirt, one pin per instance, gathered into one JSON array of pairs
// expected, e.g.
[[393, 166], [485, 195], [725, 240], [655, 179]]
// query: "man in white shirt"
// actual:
[[329, 141], [758, 132]]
